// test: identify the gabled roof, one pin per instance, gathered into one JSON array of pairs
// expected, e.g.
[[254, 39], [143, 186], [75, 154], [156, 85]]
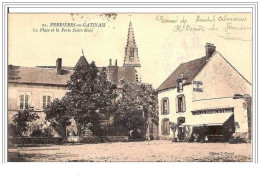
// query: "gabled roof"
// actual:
[[44, 76], [189, 70]]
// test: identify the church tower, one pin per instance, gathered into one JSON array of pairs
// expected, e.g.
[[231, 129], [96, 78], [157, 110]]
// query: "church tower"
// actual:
[[131, 60]]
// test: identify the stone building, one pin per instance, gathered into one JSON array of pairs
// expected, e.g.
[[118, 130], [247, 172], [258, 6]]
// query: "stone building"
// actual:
[[206, 93], [35, 87]]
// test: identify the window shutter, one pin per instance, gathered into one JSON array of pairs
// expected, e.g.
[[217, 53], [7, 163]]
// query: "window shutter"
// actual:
[[168, 106], [168, 127], [176, 103], [183, 104], [162, 128]]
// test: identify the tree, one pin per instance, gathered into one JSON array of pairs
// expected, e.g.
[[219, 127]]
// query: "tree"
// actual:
[[21, 122], [58, 114], [89, 98], [174, 128], [129, 117], [138, 102]]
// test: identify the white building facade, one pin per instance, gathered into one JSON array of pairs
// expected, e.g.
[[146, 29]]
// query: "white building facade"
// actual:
[[205, 94]]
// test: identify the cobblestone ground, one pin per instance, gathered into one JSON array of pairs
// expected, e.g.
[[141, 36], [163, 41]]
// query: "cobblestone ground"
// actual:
[[158, 150]]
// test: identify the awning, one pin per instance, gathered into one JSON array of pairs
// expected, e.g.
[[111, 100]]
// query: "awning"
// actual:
[[217, 119]]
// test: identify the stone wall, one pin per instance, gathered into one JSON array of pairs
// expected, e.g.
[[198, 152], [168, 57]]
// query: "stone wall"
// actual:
[[34, 140], [115, 138]]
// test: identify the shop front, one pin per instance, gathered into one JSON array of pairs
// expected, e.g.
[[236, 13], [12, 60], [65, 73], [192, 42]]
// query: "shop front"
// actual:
[[218, 127]]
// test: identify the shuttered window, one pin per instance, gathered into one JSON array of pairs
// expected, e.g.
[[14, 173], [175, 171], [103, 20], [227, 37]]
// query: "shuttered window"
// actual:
[[165, 127], [165, 109]]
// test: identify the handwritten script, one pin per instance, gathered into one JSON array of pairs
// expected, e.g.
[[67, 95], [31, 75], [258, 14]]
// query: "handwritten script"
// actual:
[[228, 27]]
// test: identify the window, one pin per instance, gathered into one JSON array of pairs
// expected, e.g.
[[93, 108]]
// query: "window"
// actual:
[[180, 103], [165, 127], [24, 101], [180, 86], [46, 99], [131, 52], [165, 109]]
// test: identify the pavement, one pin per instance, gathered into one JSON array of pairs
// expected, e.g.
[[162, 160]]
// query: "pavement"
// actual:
[[148, 151]]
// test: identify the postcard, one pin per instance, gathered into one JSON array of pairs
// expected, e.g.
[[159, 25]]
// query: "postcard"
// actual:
[[130, 87]]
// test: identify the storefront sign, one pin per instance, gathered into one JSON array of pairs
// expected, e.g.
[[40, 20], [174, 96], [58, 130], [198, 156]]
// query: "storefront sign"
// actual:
[[198, 87]]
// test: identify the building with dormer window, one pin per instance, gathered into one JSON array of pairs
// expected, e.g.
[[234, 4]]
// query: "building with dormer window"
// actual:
[[207, 93]]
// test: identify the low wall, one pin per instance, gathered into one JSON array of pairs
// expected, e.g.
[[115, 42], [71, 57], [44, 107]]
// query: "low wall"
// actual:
[[90, 140], [115, 138], [45, 140], [35, 140], [100, 139]]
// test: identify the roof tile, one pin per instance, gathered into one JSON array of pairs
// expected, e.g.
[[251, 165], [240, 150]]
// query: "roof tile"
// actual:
[[189, 70]]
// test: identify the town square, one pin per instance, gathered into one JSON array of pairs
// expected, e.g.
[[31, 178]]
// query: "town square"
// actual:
[[181, 95], [151, 151]]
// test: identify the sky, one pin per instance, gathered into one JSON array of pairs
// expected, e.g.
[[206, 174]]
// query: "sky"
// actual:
[[164, 40]]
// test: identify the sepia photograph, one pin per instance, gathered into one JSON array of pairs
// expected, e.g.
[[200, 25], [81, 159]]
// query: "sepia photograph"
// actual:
[[130, 87]]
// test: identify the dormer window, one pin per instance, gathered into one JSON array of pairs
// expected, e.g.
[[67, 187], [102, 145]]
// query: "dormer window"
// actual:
[[180, 83], [180, 86]]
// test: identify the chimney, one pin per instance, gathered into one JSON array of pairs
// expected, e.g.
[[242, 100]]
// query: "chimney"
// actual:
[[110, 62], [210, 49], [116, 63], [58, 66]]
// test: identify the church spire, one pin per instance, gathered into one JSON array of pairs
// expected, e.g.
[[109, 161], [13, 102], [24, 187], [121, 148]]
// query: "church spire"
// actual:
[[131, 51]]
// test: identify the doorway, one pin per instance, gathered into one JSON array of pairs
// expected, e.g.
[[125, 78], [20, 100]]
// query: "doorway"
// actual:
[[181, 128]]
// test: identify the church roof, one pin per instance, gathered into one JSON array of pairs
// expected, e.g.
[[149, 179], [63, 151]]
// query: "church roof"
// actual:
[[189, 70], [131, 51]]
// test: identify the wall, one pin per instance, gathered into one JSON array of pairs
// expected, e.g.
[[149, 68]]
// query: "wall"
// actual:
[[220, 81], [130, 74], [112, 74], [36, 92]]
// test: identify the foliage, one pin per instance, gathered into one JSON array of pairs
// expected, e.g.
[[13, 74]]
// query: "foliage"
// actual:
[[13, 130], [130, 118], [137, 104], [89, 98], [188, 134], [37, 131], [58, 114], [173, 127], [20, 122], [90, 95]]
